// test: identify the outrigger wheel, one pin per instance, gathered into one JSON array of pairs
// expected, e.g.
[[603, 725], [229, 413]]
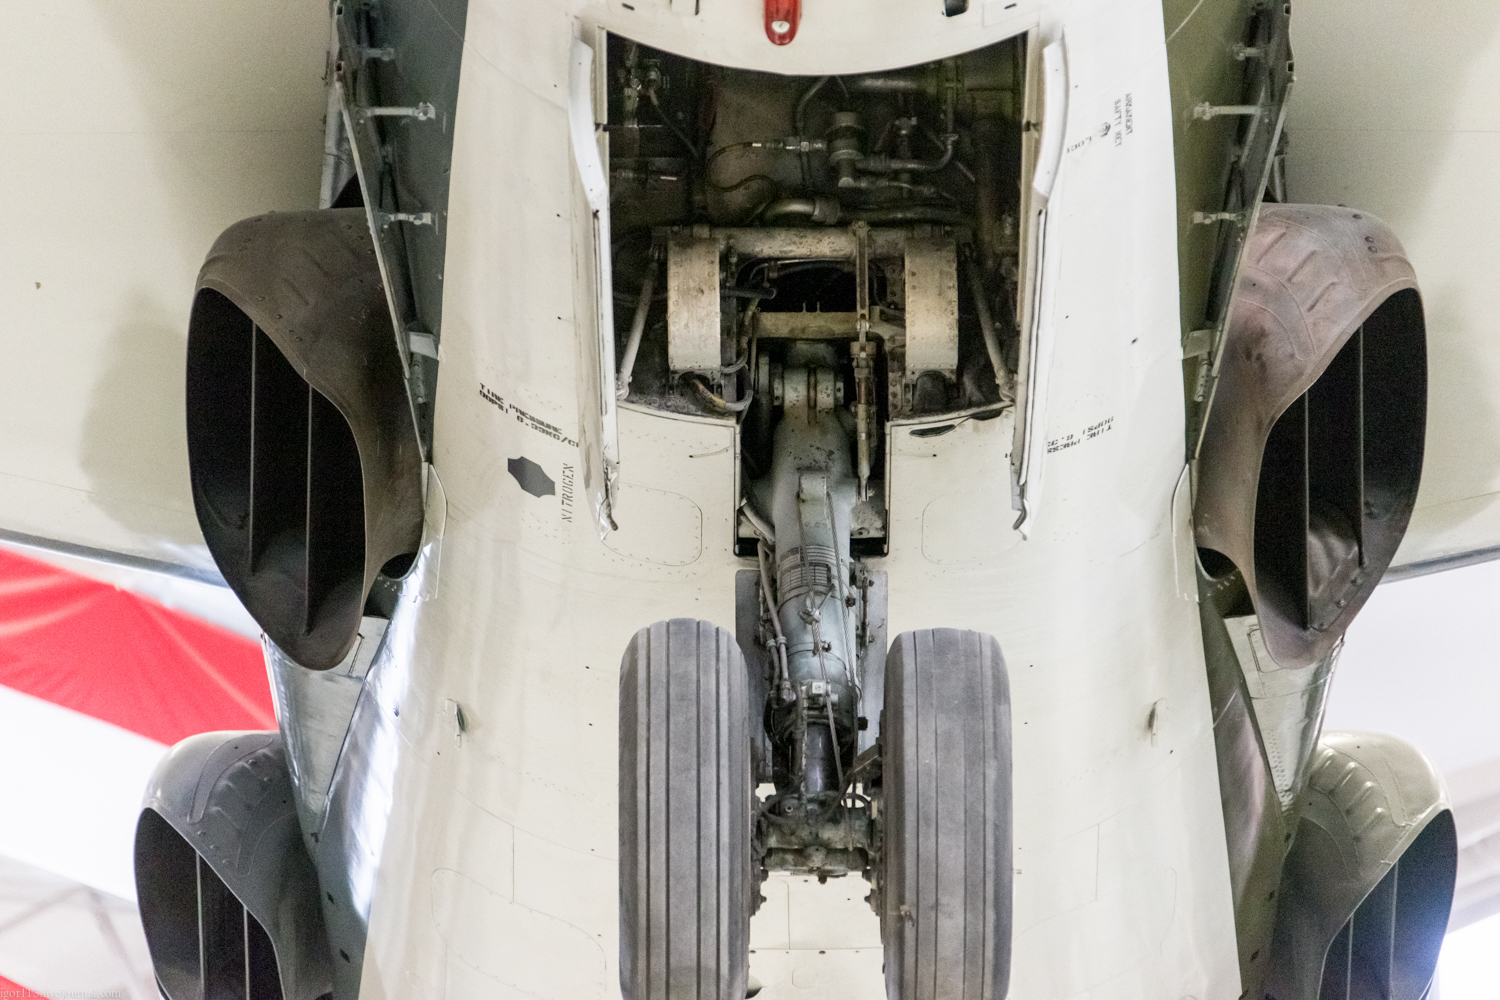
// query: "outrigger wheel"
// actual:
[[686, 887], [945, 888]]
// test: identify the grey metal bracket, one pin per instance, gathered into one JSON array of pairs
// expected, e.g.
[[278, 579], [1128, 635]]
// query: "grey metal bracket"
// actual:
[[364, 142], [1208, 112], [422, 112], [1209, 218], [414, 218]]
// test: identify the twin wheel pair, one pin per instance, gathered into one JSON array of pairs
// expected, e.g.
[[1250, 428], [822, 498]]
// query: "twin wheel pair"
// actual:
[[694, 835]]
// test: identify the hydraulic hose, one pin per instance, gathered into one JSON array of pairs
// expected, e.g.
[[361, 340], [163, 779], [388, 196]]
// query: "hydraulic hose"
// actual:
[[881, 164], [830, 213], [1004, 380], [637, 328]]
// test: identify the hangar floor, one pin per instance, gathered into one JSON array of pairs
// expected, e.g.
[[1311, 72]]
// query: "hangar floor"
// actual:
[[64, 939]]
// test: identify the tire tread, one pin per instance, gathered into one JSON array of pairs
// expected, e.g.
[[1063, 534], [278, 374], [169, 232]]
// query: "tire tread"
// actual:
[[684, 814], [946, 899]]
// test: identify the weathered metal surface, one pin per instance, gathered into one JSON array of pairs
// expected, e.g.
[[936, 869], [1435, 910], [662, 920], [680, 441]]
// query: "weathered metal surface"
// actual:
[[833, 244], [1311, 554], [931, 306], [1221, 53], [1371, 868], [693, 333], [1254, 826], [314, 709]]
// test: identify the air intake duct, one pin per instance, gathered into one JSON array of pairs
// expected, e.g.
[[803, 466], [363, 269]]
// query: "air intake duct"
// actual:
[[1365, 895], [306, 467], [1312, 452], [228, 896]]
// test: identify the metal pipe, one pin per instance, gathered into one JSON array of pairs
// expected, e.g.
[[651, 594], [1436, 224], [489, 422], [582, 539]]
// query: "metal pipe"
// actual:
[[886, 84], [783, 678], [757, 522], [1004, 380], [719, 402], [637, 328], [882, 164], [934, 214], [802, 104], [864, 356], [989, 140], [820, 209], [882, 183]]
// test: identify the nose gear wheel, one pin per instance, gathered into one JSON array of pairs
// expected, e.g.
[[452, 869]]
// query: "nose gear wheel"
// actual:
[[685, 797]]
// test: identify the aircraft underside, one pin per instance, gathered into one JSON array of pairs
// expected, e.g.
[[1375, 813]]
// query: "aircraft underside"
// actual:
[[743, 502]]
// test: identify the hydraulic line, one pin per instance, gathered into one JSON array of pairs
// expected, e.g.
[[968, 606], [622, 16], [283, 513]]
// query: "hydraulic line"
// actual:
[[807, 96], [719, 402], [864, 358], [936, 215], [783, 677], [1004, 379], [758, 523], [681, 135], [881, 164], [827, 211], [637, 328]]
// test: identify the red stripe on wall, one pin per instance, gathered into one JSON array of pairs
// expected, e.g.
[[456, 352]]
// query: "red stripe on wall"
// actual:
[[9, 990], [124, 658]]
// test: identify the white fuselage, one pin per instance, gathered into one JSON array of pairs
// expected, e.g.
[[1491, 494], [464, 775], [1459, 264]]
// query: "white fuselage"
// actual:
[[495, 875]]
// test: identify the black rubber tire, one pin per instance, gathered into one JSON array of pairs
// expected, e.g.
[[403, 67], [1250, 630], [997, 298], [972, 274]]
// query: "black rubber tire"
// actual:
[[685, 811], [947, 879]]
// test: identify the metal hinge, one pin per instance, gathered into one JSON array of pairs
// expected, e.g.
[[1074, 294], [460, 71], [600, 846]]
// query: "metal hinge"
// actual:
[[1197, 343], [422, 343]]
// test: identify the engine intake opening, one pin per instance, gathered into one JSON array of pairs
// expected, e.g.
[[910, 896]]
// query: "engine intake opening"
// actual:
[[1312, 453], [203, 940], [278, 471], [1339, 477], [305, 465]]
